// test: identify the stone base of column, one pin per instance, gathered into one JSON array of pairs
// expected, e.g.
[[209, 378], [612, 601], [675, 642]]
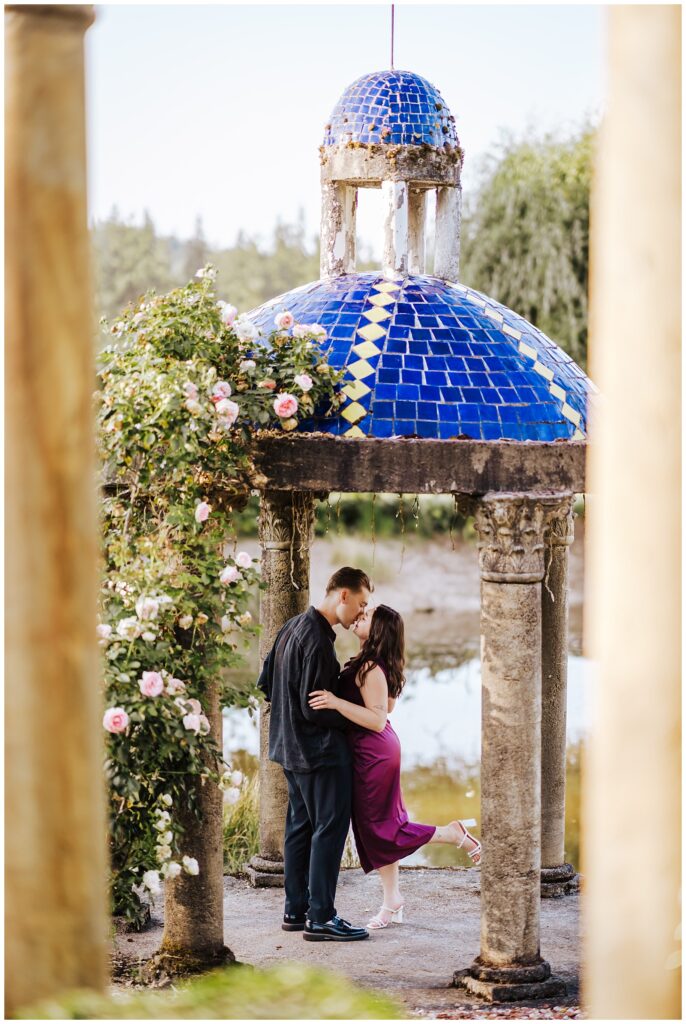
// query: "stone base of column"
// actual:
[[264, 873], [558, 881], [509, 984]]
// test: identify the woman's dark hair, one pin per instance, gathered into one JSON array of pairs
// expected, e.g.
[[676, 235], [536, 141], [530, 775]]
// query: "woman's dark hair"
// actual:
[[386, 645]]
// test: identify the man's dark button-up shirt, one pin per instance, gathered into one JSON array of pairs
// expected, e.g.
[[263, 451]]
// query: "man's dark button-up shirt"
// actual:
[[303, 659]]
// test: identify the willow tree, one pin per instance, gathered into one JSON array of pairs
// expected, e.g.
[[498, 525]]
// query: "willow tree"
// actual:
[[525, 234]]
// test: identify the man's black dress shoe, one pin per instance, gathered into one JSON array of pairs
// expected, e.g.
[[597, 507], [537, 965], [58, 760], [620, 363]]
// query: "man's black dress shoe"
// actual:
[[293, 922], [335, 930]]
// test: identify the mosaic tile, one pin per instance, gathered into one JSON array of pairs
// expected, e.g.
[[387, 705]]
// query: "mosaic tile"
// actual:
[[499, 378], [392, 107]]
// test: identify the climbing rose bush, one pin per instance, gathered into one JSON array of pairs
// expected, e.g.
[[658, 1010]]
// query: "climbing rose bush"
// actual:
[[184, 386]]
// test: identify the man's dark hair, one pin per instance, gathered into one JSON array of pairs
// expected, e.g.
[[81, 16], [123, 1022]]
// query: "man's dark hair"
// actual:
[[351, 579]]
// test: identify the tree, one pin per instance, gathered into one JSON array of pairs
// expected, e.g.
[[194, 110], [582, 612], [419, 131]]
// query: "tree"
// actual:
[[525, 234]]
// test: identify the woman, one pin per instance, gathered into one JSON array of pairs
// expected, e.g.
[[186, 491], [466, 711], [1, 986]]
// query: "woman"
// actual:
[[369, 686]]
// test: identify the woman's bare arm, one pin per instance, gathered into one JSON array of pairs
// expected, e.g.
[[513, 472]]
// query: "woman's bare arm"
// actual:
[[374, 694], [391, 704]]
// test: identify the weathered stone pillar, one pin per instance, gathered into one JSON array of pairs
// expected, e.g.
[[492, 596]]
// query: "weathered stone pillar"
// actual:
[[56, 853], [557, 877], [510, 529], [339, 215], [286, 528], [396, 227], [417, 230], [194, 905], [448, 221]]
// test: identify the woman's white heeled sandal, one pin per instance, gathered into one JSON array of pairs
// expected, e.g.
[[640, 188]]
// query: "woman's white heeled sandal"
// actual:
[[377, 921], [476, 850]]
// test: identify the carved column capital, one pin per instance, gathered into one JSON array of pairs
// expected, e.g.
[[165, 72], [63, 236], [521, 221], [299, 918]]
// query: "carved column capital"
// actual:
[[286, 520], [560, 521], [511, 534]]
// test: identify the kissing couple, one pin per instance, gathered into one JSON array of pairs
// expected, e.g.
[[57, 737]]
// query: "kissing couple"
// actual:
[[330, 731]]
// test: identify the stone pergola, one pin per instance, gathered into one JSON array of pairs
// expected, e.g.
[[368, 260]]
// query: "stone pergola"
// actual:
[[521, 498], [417, 351]]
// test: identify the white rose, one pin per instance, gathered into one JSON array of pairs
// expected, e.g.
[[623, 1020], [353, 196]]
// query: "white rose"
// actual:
[[192, 723], [104, 631], [231, 796], [246, 365], [225, 624], [148, 636], [166, 799], [190, 865], [172, 869], [236, 778], [163, 852], [129, 628], [167, 838], [245, 330], [243, 559], [229, 574], [245, 619], [193, 407], [147, 608], [151, 881], [186, 621]]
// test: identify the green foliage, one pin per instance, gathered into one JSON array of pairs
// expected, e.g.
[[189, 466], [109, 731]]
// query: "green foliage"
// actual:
[[175, 594], [242, 827], [130, 259], [525, 234], [290, 991]]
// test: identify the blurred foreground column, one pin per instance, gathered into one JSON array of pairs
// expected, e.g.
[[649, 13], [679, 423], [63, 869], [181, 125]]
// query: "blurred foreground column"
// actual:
[[632, 816], [56, 921], [286, 525]]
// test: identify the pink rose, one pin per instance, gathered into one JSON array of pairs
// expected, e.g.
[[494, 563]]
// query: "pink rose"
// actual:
[[204, 724], [175, 686], [269, 384], [318, 331], [227, 411], [284, 320], [304, 381], [222, 389], [195, 705], [285, 405], [301, 331], [115, 720], [151, 685], [243, 559], [229, 575], [228, 313], [192, 723], [190, 390], [202, 512]]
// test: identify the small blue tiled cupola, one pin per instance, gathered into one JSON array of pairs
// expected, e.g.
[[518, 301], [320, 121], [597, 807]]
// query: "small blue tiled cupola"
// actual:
[[423, 356]]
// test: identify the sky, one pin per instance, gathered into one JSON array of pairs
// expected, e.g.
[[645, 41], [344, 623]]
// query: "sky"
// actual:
[[217, 111]]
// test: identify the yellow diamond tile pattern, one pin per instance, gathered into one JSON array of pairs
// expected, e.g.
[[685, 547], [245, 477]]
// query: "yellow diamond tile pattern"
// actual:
[[355, 389], [372, 332], [354, 412], [511, 331], [354, 432], [557, 392], [382, 299], [376, 314], [498, 317], [387, 286], [366, 349], [527, 350], [543, 370], [571, 414], [361, 369]]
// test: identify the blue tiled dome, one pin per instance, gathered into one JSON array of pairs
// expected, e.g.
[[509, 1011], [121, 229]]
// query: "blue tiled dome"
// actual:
[[394, 107], [429, 358]]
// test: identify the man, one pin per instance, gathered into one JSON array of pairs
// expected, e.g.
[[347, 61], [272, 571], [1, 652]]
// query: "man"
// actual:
[[313, 750]]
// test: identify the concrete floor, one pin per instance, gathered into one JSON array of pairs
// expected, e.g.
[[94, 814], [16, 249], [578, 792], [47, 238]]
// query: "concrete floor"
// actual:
[[412, 962]]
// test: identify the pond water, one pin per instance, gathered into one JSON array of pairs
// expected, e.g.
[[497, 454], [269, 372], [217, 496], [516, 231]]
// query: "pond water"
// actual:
[[438, 720]]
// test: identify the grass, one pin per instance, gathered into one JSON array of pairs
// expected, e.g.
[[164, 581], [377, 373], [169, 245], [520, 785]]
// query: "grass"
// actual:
[[290, 991], [241, 827]]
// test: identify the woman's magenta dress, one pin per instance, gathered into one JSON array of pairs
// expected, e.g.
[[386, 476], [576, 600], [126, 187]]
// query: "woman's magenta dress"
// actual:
[[383, 831]]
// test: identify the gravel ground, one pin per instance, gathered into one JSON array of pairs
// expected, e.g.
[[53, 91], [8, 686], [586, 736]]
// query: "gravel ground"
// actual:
[[413, 962]]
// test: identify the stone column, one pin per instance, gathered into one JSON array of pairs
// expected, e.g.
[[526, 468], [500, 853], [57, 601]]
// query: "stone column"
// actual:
[[417, 231], [631, 854], [339, 215], [557, 877], [56, 852], [396, 227], [510, 530], [286, 529], [448, 220]]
